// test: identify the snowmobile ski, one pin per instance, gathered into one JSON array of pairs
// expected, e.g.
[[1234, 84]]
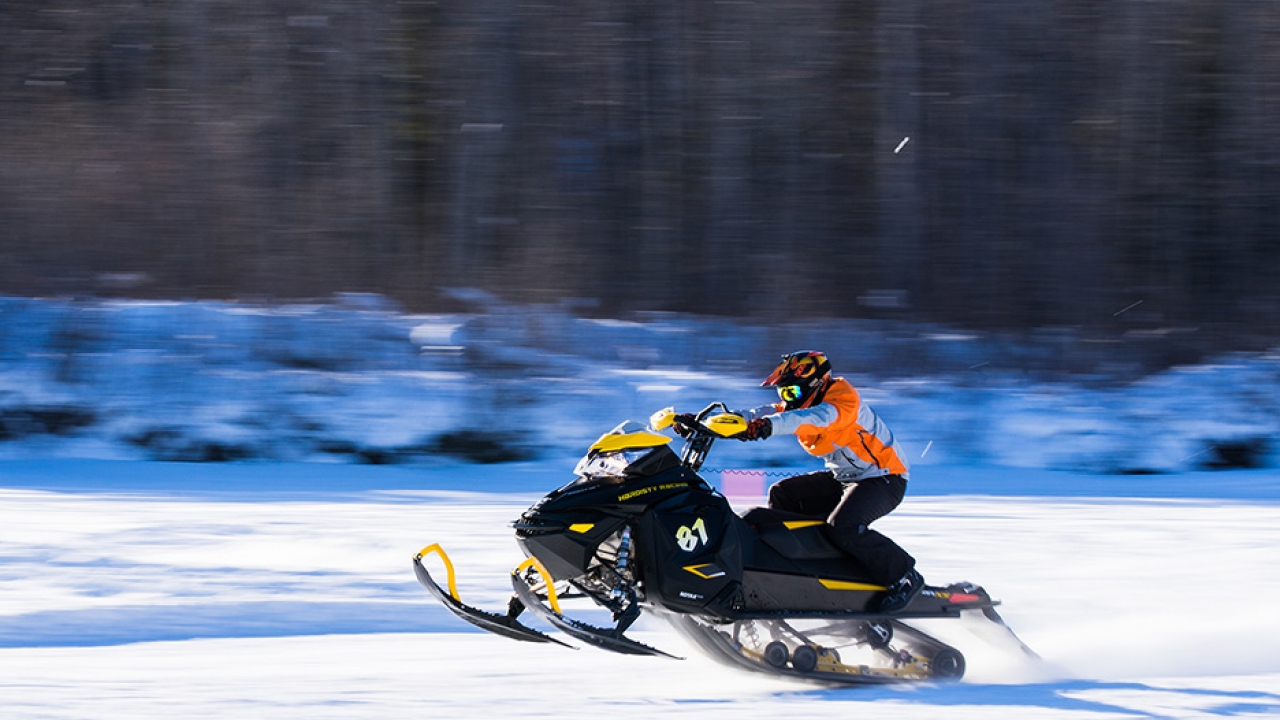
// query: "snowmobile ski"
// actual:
[[612, 640], [504, 625]]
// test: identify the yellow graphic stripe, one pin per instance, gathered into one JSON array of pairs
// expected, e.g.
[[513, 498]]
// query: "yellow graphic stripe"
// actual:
[[697, 570], [546, 579], [842, 585], [448, 566], [797, 524], [582, 527]]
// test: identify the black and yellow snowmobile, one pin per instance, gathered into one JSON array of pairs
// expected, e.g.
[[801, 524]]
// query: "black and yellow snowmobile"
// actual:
[[639, 530]]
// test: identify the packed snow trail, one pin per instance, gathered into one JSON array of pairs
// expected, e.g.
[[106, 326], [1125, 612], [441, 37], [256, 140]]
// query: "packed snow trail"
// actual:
[[123, 602]]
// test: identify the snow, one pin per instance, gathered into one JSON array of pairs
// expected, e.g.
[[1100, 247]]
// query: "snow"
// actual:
[[280, 586]]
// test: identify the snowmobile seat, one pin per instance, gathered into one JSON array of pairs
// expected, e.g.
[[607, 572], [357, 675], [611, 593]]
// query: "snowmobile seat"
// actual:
[[796, 536]]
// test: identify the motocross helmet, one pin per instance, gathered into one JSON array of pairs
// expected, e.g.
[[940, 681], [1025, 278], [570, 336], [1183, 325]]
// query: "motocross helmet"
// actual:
[[802, 379]]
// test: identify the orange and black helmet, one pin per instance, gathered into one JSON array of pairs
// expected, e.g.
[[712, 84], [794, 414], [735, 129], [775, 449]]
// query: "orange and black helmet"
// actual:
[[801, 379]]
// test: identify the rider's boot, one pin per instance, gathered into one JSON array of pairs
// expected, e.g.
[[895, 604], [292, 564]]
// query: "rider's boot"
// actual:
[[900, 594]]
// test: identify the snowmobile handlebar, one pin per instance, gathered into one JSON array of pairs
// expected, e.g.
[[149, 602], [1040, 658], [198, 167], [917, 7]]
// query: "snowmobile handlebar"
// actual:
[[704, 430], [725, 424]]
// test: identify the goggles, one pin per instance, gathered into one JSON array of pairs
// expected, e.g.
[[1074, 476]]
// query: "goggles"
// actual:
[[790, 393]]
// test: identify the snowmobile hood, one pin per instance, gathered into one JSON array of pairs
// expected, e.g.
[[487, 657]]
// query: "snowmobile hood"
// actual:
[[628, 436]]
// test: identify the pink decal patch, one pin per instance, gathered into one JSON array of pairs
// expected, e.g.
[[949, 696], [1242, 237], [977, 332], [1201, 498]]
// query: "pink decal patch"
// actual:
[[742, 483]]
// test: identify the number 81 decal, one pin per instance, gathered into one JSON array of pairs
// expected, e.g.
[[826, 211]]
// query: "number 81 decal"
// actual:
[[688, 538]]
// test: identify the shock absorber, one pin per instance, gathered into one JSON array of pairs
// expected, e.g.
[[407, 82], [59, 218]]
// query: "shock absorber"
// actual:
[[623, 597], [624, 558]]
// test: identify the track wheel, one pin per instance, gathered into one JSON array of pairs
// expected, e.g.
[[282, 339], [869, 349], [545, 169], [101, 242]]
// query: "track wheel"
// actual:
[[805, 658], [947, 664], [879, 634], [776, 654]]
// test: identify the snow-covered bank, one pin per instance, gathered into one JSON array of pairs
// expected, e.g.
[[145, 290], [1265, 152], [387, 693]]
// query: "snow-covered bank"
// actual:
[[269, 481], [360, 382]]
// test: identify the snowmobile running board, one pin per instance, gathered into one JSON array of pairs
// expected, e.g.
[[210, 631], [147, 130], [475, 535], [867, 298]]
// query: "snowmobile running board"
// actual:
[[952, 610], [504, 625], [605, 639]]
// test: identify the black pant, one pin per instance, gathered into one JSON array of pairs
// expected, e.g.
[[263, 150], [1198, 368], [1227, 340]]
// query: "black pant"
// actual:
[[849, 508]]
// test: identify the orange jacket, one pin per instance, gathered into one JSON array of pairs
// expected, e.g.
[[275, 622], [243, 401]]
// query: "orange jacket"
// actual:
[[842, 430]]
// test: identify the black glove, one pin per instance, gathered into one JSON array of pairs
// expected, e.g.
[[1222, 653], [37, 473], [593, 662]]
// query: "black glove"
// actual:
[[757, 429], [683, 424]]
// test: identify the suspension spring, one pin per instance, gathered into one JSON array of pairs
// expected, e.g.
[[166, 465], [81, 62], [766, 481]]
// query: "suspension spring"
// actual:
[[624, 558]]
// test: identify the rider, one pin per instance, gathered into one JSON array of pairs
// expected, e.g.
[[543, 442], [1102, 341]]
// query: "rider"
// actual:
[[865, 478]]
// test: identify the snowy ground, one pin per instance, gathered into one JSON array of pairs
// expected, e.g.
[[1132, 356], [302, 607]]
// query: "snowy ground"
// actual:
[[123, 600], [279, 585]]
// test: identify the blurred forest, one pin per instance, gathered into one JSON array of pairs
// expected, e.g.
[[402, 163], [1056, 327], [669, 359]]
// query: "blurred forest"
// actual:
[[1111, 165]]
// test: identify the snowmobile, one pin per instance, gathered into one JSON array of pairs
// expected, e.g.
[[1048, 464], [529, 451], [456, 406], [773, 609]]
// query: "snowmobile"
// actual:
[[638, 529]]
